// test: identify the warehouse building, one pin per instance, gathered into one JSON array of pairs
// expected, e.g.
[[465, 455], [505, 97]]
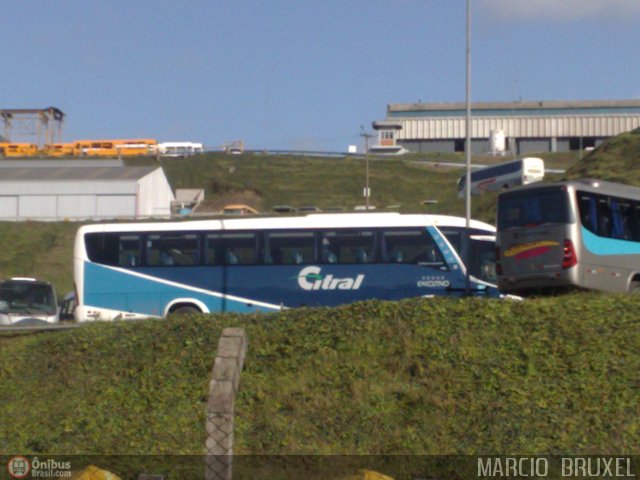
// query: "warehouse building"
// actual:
[[500, 127], [83, 192]]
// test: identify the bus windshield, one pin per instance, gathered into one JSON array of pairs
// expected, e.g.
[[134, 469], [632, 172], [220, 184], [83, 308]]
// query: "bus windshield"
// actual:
[[480, 260], [532, 207]]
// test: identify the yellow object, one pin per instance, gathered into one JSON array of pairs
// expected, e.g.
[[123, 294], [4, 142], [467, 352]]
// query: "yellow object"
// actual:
[[94, 473], [18, 149], [113, 148], [59, 150], [367, 475]]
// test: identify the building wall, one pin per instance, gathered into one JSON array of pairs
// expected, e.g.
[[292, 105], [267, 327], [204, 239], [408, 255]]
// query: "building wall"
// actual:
[[66, 206], [8, 207], [517, 127], [554, 126], [75, 200], [154, 194], [478, 146]]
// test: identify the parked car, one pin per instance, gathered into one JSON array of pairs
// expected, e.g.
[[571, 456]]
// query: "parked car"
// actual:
[[239, 209], [309, 208], [283, 209]]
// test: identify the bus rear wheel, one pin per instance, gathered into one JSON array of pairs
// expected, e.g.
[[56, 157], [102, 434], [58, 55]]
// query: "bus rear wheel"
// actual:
[[184, 310]]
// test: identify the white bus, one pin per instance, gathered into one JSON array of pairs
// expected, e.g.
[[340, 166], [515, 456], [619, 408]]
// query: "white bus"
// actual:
[[179, 149], [503, 176], [27, 300], [137, 270]]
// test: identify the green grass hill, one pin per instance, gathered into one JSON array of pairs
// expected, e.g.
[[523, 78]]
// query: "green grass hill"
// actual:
[[431, 376], [616, 160]]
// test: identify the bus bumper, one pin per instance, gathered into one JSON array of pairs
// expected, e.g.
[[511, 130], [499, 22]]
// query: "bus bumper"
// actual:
[[550, 280]]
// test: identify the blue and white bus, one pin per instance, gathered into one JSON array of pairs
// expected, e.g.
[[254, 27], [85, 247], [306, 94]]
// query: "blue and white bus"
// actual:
[[575, 234], [503, 176], [135, 270]]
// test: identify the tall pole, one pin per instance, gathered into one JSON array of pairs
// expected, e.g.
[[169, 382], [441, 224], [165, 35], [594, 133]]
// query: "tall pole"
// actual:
[[468, 148], [366, 174], [367, 192]]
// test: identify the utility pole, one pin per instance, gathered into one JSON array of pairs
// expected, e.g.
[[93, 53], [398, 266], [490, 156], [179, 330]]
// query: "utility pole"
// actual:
[[367, 191]]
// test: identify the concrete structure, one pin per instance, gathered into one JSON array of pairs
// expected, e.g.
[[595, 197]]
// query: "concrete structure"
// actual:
[[78, 193], [225, 379], [541, 126]]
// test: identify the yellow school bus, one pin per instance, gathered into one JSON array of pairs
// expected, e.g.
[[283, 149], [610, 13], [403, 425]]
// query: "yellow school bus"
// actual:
[[59, 150], [131, 147], [94, 148], [18, 149], [114, 148]]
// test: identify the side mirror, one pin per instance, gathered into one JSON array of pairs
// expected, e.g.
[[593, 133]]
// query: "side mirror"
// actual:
[[4, 306]]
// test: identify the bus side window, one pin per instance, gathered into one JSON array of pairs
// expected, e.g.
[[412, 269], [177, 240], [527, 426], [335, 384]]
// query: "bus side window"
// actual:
[[413, 246], [103, 248], [618, 224], [588, 206], [129, 249], [289, 248], [349, 246], [230, 248], [634, 222], [604, 218], [328, 255], [167, 249]]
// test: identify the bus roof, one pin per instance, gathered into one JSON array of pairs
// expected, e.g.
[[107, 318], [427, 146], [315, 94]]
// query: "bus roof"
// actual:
[[586, 184], [315, 220]]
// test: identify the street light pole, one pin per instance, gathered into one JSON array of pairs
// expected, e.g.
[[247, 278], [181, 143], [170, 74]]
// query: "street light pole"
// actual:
[[367, 192], [366, 175], [468, 149]]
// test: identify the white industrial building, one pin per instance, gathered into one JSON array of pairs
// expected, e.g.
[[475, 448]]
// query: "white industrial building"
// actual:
[[40, 192], [526, 126]]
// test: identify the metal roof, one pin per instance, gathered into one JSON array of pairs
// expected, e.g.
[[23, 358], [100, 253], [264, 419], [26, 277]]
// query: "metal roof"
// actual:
[[562, 107], [63, 162], [76, 174], [315, 220]]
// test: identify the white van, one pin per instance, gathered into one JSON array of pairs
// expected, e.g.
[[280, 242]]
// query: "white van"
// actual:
[[27, 301]]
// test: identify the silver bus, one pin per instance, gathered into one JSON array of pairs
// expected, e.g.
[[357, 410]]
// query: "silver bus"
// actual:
[[580, 233]]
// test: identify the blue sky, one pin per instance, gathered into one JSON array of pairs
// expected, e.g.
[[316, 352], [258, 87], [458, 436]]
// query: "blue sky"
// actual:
[[301, 74]]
